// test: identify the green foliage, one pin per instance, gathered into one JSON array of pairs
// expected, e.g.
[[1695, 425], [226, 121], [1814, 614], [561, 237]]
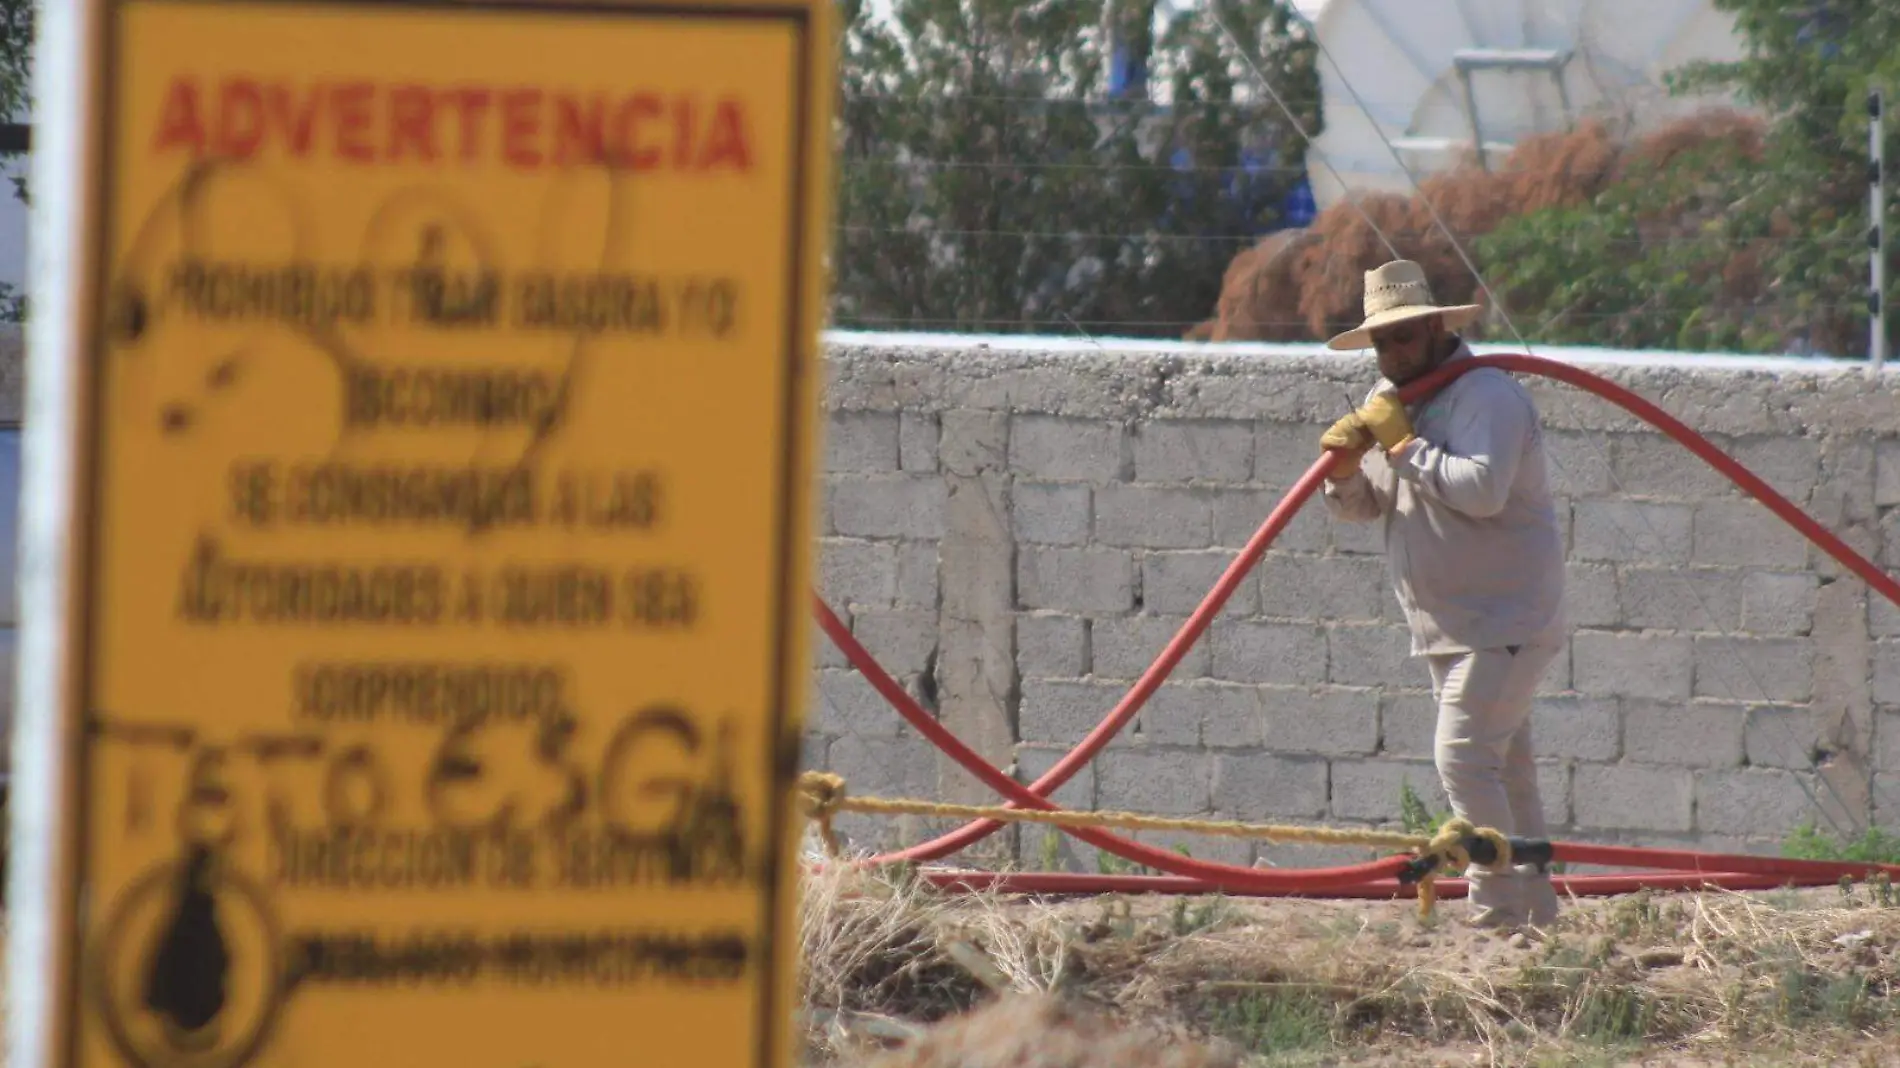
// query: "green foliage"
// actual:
[[1758, 251], [1873, 846], [1268, 1022], [987, 182], [1414, 815], [16, 76]]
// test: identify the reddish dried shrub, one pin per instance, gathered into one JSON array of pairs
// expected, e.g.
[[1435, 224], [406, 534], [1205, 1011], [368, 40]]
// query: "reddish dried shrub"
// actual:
[[1308, 284]]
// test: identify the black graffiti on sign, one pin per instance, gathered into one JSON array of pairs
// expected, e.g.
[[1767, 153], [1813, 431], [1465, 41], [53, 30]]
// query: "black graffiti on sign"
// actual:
[[327, 307], [657, 807]]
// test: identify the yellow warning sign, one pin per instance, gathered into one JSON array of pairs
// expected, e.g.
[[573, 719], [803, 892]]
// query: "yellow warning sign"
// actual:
[[447, 533]]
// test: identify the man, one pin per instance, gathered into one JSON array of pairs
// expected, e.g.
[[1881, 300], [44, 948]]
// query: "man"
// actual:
[[1475, 554]]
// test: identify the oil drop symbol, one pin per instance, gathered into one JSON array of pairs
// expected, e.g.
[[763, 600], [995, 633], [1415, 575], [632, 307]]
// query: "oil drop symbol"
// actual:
[[185, 983]]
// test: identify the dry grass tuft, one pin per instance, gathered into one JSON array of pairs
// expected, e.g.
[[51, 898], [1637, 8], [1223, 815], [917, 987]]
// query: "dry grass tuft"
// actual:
[[1714, 977]]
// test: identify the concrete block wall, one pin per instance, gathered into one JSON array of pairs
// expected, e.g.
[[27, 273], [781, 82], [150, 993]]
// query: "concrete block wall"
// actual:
[[1017, 534]]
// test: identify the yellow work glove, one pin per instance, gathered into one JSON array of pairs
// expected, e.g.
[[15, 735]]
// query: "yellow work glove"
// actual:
[[1384, 417], [1350, 435]]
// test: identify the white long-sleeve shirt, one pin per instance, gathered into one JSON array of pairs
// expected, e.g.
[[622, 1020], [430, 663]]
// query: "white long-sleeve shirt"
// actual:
[[1472, 540]]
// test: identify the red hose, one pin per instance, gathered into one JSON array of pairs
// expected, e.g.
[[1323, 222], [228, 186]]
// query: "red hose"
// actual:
[[1151, 679], [1226, 875], [1229, 876], [1689, 861], [1069, 883]]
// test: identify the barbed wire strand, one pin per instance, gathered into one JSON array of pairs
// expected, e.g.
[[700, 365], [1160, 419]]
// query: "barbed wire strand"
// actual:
[[1246, 56], [1148, 235]]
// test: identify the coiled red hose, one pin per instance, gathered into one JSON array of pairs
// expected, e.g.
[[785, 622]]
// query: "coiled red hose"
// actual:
[[1230, 877]]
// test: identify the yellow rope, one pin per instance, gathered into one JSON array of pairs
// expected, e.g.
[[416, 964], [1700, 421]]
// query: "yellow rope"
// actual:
[[823, 796]]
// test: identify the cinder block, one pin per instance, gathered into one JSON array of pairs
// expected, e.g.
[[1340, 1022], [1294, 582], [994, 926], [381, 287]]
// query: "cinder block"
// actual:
[[887, 767], [1694, 735], [1304, 586], [1680, 598], [1062, 712], [1373, 655], [1577, 727], [825, 652], [1050, 513], [1657, 666], [1553, 789], [1789, 464], [1652, 465], [1229, 714], [1055, 447], [1175, 583], [917, 563], [1886, 657], [1883, 616], [1267, 652], [1757, 802], [1408, 725], [1579, 462], [1887, 799], [1152, 517], [1264, 787], [1886, 472], [1374, 789], [1336, 721], [1779, 603], [1187, 450], [852, 572], [1239, 513], [1172, 716], [1035, 761], [973, 443], [1124, 648], [917, 442], [1556, 678], [1742, 533], [1075, 580], [1631, 531], [1632, 797], [1754, 669], [1590, 595], [1284, 451], [861, 442], [904, 640], [886, 506], [1887, 739], [1051, 646], [845, 705], [1162, 782], [1779, 736]]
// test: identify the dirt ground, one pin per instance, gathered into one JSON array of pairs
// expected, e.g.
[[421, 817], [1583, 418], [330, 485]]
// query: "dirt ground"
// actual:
[[901, 976]]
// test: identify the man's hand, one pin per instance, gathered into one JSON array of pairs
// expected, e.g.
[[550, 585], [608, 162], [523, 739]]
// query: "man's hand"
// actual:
[[1384, 417], [1348, 434]]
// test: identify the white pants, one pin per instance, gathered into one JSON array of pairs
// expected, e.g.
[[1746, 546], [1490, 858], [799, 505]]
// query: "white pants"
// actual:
[[1483, 751]]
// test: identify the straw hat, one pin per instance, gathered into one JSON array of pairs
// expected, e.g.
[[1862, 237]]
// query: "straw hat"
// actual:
[[1396, 292]]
